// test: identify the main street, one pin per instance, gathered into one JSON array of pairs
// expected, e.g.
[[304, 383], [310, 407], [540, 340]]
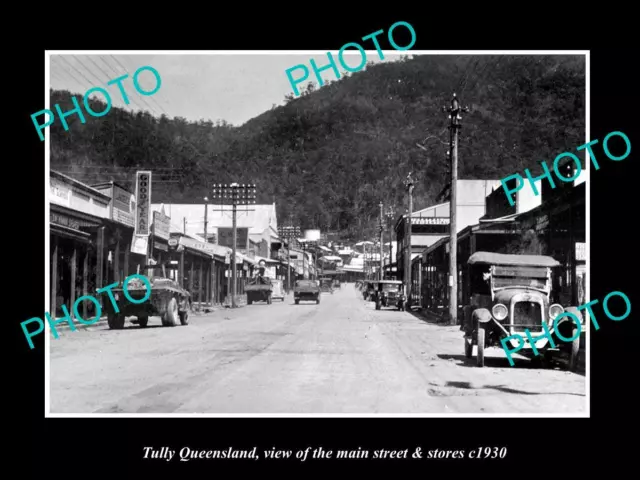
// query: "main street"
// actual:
[[341, 356]]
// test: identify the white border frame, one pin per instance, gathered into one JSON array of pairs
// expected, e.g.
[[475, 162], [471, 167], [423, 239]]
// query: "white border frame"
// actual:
[[47, 144]]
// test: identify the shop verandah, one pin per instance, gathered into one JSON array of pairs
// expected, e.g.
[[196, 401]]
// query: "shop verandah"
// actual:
[[555, 228]]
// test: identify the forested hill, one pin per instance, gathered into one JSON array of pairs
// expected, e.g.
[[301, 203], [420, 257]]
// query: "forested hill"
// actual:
[[331, 155]]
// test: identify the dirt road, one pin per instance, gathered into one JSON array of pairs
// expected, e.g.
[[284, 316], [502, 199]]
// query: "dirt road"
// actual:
[[341, 356]]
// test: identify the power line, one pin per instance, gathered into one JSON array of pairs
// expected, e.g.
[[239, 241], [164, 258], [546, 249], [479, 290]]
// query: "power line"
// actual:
[[150, 98], [73, 66]]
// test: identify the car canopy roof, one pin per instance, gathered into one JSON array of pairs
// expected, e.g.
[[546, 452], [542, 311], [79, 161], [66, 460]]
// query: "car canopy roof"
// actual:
[[491, 258], [391, 282]]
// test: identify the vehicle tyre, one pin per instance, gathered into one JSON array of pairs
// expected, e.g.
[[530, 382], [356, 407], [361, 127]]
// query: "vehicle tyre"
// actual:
[[297, 302], [143, 320], [318, 301], [468, 348], [575, 351], [115, 321], [378, 305], [249, 301], [170, 317], [269, 300], [184, 318], [480, 354]]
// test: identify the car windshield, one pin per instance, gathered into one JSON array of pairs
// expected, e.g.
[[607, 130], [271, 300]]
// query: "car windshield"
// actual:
[[389, 287]]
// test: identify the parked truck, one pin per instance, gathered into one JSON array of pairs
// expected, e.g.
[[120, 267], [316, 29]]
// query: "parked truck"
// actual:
[[259, 289], [306, 291]]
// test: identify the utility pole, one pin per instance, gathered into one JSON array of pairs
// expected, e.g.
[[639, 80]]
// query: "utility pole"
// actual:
[[380, 274], [364, 263], [408, 183], [454, 127], [238, 195], [288, 233], [206, 200], [390, 214]]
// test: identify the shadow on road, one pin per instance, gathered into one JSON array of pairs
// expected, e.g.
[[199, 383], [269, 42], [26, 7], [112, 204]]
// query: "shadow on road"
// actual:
[[497, 362], [502, 388], [431, 319]]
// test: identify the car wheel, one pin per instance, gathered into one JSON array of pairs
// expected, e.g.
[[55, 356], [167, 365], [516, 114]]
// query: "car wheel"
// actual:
[[468, 348], [480, 355], [377, 305], [297, 302], [115, 321], [184, 318], [318, 302], [269, 300], [170, 316], [575, 351], [143, 320]]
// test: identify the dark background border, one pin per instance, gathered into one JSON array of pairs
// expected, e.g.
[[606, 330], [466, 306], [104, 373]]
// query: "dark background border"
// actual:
[[96, 447]]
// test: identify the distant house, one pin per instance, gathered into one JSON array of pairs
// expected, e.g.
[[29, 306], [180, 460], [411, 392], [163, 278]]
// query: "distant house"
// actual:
[[257, 225]]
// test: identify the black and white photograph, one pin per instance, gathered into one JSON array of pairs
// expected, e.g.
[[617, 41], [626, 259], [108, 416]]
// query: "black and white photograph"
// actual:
[[293, 234]]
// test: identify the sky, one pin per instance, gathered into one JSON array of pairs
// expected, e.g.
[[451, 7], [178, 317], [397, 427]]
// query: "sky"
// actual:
[[231, 87]]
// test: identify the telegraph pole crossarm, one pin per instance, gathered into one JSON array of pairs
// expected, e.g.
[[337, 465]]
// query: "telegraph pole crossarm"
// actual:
[[454, 127]]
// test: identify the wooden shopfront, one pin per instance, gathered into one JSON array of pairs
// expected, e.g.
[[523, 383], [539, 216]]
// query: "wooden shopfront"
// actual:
[[74, 256], [201, 268]]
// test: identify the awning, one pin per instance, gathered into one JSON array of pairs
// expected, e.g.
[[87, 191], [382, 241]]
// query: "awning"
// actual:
[[69, 232], [266, 260]]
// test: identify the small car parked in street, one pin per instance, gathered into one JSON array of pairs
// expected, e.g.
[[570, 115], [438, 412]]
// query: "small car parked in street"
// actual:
[[509, 294], [389, 293]]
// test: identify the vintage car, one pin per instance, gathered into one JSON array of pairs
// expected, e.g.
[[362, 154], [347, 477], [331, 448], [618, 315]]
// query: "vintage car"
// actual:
[[389, 293], [168, 300], [259, 289], [326, 285], [306, 291], [510, 294]]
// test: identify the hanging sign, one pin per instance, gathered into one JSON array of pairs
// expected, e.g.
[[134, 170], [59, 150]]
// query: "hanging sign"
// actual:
[[139, 244], [430, 220], [143, 202], [161, 225]]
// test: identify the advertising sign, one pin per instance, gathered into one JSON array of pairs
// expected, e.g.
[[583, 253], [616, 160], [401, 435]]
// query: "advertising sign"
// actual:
[[143, 203], [225, 237], [124, 206], [312, 235], [161, 225], [60, 193], [430, 220], [140, 244]]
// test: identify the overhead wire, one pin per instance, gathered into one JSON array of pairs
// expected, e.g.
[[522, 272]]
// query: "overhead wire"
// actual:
[[151, 98], [142, 99]]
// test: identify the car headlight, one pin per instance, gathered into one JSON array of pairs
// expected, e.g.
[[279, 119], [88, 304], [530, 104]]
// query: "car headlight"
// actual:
[[499, 311], [555, 310]]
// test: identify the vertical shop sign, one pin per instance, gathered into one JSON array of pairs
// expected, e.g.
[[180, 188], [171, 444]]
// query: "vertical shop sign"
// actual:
[[143, 203]]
